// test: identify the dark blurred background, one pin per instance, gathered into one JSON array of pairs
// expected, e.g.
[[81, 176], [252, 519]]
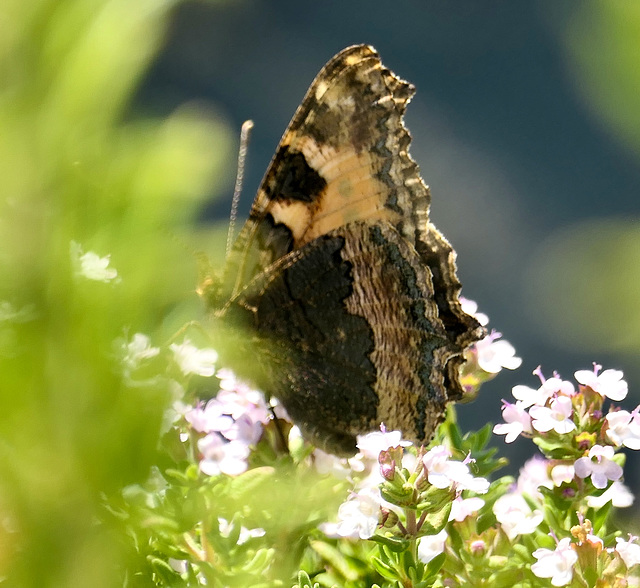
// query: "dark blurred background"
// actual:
[[525, 126]]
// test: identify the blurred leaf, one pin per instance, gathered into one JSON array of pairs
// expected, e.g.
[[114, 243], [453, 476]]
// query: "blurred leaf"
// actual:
[[602, 41], [584, 284], [76, 164]]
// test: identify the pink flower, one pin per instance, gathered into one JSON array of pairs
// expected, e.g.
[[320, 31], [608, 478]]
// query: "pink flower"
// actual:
[[493, 355], [371, 444], [549, 388], [557, 417], [533, 474], [599, 465], [609, 383], [563, 473], [517, 421], [439, 468], [238, 398], [243, 429], [557, 564], [222, 457], [461, 508], [208, 418], [556, 386]]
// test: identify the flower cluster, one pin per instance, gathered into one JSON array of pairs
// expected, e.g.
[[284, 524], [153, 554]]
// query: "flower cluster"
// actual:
[[407, 501], [569, 424], [227, 426], [408, 515], [486, 358], [580, 474]]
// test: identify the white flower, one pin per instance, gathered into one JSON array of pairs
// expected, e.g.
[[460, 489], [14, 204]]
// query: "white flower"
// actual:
[[599, 465], [371, 444], [431, 545], [527, 396], [445, 473], [461, 508], [471, 307], [10, 314], [221, 456], [549, 388], [493, 355], [137, 351], [515, 515], [557, 417], [562, 473], [439, 468], [90, 265], [556, 386], [557, 564], [226, 528], [327, 463], [179, 565], [178, 408], [609, 383], [629, 551], [517, 420], [192, 360], [359, 516], [618, 494], [467, 481], [624, 428]]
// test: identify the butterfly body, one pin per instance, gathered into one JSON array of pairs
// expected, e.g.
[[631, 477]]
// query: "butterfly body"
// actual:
[[348, 290]]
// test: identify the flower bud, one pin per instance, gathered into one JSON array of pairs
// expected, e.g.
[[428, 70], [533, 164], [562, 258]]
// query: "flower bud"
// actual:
[[387, 464], [388, 518]]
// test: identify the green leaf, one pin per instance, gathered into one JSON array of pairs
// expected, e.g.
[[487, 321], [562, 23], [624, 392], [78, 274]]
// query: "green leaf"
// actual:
[[385, 569], [435, 522], [395, 544], [435, 565], [591, 576], [304, 581], [251, 482], [169, 576], [337, 560], [599, 517]]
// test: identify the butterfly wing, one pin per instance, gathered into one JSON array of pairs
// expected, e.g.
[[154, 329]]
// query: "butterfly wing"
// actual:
[[352, 337], [339, 272], [335, 164]]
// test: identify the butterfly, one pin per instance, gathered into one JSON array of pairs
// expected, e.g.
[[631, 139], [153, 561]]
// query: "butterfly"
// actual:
[[339, 280]]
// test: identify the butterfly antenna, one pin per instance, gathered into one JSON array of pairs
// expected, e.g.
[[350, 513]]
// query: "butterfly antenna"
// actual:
[[245, 131]]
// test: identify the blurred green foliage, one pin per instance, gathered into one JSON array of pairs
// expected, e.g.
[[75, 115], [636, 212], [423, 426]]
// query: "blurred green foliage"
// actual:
[[76, 163], [583, 284], [602, 41]]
